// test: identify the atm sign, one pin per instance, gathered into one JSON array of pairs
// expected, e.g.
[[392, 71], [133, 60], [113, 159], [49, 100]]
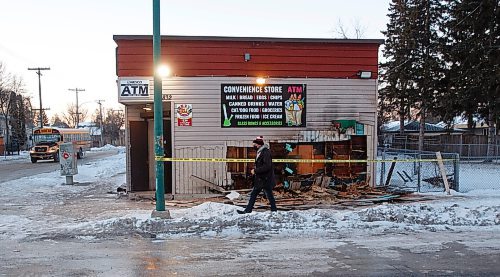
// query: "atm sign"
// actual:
[[134, 88]]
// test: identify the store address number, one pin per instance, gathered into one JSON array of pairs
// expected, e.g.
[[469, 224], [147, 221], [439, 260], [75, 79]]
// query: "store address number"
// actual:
[[166, 97]]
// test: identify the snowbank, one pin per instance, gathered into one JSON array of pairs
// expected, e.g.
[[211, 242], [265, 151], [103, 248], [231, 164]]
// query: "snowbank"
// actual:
[[23, 155], [216, 219], [108, 147]]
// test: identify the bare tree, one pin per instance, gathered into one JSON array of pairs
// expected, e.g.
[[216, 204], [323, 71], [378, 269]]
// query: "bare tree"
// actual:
[[341, 30], [6, 96], [344, 32], [359, 30], [69, 117], [56, 121], [113, 121]]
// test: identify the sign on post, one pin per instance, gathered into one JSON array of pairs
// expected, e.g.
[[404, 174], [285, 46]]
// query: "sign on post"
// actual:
[[67, 160]]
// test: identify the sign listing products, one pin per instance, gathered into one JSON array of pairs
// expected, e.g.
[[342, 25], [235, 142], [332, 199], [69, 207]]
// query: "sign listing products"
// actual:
[[270, 105]]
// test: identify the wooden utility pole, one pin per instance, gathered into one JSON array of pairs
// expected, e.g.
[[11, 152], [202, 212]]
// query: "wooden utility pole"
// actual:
[[39, 73], [100, 116], [77, 113]]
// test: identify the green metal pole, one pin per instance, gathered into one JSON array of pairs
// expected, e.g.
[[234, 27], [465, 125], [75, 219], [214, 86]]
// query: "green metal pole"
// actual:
[[158, 108]]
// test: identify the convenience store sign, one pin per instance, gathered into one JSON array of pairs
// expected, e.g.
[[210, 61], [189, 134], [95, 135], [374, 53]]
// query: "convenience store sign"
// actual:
[[270, 105]]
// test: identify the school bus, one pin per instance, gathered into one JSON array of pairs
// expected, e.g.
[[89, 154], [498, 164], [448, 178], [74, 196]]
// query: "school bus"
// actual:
[[47, 140]]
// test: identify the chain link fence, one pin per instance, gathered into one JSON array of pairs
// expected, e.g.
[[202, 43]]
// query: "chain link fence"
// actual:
[[405, 170]]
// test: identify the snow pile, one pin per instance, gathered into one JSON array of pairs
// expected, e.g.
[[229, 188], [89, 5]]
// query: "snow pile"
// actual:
[[22, 155], [215, 219], [108, 147]]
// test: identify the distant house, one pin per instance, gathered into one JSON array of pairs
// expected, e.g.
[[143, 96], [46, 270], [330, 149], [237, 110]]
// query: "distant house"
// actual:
[[413, 127], [390, 134], [95, 132], [479, 127]]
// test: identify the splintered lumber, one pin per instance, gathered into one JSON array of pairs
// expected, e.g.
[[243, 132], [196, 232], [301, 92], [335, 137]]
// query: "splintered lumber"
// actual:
[[207, 183], [443, 172], [326, 181]]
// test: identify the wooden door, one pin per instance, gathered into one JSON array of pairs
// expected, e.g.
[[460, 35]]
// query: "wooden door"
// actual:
[[139, 171]]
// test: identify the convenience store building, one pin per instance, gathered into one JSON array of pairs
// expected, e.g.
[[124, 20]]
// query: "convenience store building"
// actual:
[[308, 98]]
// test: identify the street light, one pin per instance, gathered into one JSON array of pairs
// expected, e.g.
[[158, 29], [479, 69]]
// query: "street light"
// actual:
[[163, 70], [158, 116]]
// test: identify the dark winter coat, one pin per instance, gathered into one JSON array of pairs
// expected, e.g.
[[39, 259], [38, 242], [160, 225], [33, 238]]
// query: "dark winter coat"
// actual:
[[264, 171]]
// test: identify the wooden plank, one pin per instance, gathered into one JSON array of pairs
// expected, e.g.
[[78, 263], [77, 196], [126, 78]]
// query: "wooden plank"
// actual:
[[207, 183], [391, 170], [443, 172]]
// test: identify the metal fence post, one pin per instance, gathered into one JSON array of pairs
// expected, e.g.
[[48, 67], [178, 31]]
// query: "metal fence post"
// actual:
[[382, 169], [419, 172], [457, 172]]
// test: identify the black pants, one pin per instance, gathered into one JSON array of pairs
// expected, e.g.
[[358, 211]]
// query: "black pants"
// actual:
[[253, 197]]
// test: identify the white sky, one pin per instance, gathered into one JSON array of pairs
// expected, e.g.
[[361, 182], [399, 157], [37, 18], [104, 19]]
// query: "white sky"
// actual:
[[75, 37]]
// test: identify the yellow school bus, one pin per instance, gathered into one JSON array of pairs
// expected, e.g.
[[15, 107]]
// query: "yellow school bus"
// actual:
[[47, 140]]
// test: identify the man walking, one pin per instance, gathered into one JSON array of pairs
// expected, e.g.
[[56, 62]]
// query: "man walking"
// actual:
[[263, 176]]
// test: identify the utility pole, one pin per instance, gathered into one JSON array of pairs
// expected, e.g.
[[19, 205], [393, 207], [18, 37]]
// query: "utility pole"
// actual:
[[77, 113], [100, 116], [39, 73]]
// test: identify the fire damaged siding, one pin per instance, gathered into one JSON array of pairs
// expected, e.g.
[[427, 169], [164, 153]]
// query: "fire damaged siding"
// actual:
[[327, 100]]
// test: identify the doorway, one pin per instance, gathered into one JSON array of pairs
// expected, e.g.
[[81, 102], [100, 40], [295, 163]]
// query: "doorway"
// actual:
[[139, 163]]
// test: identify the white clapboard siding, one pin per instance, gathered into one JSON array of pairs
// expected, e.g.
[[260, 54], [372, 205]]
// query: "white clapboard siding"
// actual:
[[326, 100]]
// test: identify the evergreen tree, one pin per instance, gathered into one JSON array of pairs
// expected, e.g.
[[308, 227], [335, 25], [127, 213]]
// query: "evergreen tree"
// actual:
[[473, 37], [45, 119], [428, 64], [18, 120], [397, 92]]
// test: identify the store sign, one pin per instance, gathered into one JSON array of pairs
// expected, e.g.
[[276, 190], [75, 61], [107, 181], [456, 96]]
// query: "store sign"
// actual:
[[134, 88], [184, 114], [269, 105]]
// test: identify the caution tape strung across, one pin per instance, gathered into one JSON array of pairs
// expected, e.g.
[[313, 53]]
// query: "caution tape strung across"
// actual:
[[229, 160]]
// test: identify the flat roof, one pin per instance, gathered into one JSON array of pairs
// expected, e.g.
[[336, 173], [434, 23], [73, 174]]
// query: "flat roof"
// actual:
[[269, 39]]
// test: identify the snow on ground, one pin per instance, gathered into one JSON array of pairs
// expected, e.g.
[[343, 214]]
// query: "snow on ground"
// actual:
[[108, 147], [215, 219], [22, 155], [460, 211]]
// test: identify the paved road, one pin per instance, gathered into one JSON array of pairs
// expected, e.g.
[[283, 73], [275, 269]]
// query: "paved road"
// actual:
[[423, 254], [15, 169]]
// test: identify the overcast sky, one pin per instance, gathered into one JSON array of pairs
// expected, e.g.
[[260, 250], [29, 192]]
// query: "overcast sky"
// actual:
[[75, 37]]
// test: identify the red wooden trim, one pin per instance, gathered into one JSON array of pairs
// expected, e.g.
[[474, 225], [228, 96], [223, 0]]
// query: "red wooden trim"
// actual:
[[268, 58], [247, 73]]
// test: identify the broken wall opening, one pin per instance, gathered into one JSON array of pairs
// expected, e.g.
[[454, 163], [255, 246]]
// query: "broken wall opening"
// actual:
[[301, 176]]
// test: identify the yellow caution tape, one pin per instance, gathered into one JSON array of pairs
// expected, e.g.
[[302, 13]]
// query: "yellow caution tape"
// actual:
[[230, 160]]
